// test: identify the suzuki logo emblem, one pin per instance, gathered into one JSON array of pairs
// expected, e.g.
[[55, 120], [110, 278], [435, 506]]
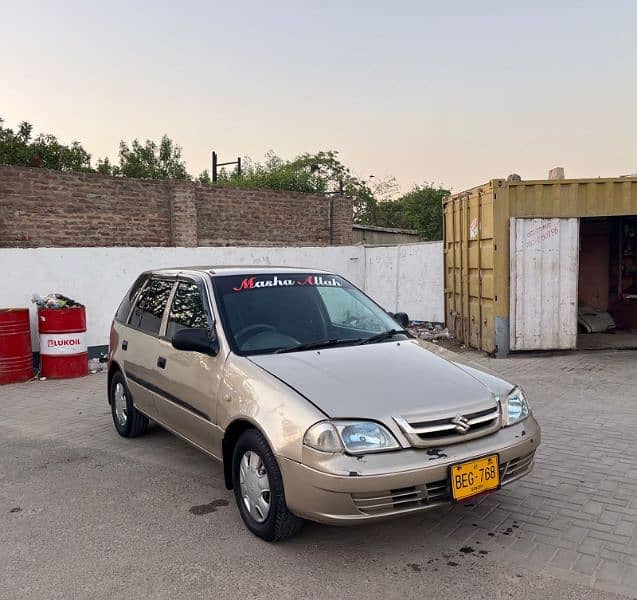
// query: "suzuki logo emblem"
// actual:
[[461, 423]]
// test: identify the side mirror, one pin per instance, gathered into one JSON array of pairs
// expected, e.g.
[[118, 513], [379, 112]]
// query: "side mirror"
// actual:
[[402, 319], [196, 340]]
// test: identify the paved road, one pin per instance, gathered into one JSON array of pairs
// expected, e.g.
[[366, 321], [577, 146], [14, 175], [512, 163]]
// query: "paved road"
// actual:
[[85, 513]]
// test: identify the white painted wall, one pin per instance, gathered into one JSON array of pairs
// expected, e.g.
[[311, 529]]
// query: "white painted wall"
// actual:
[[407, 277]]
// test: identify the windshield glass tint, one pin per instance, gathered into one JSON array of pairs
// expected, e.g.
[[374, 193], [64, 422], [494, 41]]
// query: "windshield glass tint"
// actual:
[[269, 312]]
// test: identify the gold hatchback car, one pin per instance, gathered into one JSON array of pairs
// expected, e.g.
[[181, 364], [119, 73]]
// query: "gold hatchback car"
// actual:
[[319, 403]]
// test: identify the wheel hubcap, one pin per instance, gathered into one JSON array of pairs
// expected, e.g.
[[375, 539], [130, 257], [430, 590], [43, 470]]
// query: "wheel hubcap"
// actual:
[[121, 409], [255, 486]]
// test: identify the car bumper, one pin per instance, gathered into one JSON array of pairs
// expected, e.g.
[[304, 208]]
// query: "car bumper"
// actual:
[[380, 486]]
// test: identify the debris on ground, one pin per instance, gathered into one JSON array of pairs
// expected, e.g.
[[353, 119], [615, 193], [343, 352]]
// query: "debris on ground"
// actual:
[[591, 320], [98, 365], [430, 332], [54, 301]]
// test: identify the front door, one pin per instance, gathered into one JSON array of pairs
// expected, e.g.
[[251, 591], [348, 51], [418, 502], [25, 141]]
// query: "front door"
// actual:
[[189, 381]]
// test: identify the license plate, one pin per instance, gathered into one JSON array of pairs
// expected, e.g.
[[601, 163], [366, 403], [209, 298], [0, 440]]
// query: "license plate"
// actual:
[[475, 477]]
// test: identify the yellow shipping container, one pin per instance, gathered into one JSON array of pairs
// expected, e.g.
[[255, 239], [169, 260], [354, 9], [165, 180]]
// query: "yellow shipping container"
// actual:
[[533, 221]]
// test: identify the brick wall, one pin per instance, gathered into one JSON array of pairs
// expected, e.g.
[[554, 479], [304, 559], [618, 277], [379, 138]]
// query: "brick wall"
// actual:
[[261, 217], [41, 207]]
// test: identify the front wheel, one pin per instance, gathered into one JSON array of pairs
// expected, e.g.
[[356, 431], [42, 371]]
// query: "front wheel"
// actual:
[[258, 489]]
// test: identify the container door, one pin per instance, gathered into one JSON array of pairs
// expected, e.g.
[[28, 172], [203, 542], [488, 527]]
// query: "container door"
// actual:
[[469, 269], [544, 269]]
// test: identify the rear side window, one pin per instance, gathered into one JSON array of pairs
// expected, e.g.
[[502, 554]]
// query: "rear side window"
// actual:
[[187, 310], [150, 306], [124, 308]]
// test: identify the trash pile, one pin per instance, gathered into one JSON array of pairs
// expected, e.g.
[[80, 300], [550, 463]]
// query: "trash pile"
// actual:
[[430, 332], [54, 301], [98, 365]]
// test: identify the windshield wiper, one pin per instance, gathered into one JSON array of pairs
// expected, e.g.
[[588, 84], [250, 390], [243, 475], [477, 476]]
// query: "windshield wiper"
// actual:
[[317, 344], [384, 335]]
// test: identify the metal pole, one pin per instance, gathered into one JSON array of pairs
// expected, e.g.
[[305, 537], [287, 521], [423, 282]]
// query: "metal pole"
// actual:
[[214, 167], [239, 166]]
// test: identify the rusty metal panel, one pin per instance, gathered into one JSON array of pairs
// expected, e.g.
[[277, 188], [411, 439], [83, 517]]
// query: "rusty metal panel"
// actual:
[[543, 283], [573, 197], [469, 263]]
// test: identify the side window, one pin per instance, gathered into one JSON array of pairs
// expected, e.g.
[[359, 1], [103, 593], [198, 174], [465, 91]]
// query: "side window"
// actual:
[[187, 310], [150, 306], [124, 308]]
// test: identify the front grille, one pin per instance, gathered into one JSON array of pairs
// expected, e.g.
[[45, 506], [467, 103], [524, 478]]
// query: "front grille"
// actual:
[[430, 495], [451, 429], [476, 426]]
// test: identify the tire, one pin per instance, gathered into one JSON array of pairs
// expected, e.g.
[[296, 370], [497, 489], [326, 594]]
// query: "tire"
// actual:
[[280, 523], [128, 422]]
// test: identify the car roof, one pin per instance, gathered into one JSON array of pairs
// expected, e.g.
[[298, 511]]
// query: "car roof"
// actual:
[[218, 270]]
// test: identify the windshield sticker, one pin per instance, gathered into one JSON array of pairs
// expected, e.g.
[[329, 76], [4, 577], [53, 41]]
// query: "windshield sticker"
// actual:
[[250, 283]]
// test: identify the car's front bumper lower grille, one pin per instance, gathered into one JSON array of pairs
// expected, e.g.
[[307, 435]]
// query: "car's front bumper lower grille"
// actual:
[[515, 468], [432, 494]]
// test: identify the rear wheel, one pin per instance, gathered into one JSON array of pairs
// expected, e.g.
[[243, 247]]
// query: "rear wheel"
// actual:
[[128, 421], [258, 489]]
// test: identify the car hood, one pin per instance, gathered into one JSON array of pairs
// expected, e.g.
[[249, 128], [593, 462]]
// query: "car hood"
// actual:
[[380, 381]]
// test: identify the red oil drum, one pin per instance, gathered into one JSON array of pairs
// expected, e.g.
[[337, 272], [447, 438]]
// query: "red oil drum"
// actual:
[[16, 358], [63, 351]]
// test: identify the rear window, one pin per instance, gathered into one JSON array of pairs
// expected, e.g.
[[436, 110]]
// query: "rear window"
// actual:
[[149, 310], [124, 308]]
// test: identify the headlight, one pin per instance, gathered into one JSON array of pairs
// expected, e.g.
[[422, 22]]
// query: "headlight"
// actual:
[[515, 408], [356, 437]]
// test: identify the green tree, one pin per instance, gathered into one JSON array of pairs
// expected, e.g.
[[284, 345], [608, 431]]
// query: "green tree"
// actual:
[[273, 173], [150, 160], [419, 209], [20, 148], [339, 178], [105, 167], [203, 177]]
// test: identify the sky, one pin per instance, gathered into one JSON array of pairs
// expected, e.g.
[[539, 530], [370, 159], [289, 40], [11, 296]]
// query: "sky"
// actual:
[[453, 93]]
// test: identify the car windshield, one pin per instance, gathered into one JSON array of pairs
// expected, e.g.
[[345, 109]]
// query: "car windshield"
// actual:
[[278, 312]]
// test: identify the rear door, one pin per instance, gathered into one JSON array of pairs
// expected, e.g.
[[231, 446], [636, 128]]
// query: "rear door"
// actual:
[[543, 286], [140, 340], [189, 381]]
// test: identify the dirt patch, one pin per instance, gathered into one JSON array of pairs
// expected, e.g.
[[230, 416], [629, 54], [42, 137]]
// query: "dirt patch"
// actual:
[[204, 509]]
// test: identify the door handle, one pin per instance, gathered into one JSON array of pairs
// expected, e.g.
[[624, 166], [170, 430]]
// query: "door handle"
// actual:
[[125, 345], [161, 362]]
